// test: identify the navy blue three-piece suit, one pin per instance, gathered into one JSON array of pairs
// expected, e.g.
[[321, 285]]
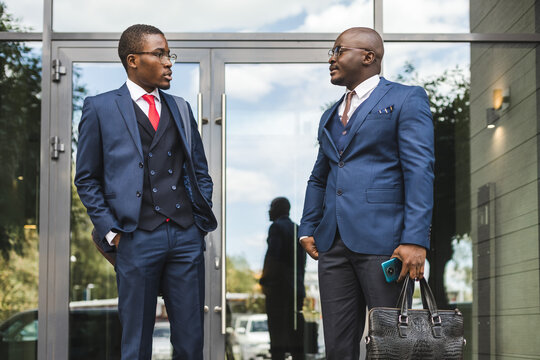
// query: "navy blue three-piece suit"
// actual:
[[155, 190]]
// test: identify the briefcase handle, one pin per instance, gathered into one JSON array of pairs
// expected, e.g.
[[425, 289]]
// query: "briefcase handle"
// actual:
[[428, 301]]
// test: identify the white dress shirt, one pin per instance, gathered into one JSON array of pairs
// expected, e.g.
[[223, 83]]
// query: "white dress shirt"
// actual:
[[363, 90], [136, 93]]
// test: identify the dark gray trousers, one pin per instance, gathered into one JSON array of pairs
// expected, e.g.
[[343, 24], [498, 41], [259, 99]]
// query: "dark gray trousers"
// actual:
[[348, 282]]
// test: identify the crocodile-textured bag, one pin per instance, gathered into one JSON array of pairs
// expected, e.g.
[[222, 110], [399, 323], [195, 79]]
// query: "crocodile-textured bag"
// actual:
[[403, 333]]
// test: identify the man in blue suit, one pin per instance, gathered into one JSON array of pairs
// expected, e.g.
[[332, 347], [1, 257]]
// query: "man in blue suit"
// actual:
[[143, 177], [370, 194]]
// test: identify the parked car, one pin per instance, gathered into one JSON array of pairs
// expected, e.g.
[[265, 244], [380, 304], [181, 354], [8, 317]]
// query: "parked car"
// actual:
[[250, 337], [95, 333]]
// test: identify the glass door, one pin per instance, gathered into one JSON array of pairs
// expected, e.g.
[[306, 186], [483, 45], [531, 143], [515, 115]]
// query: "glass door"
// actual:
[[84, 279], [272, 101]]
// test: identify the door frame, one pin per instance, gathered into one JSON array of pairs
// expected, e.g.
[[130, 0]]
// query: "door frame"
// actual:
[[54, 258]]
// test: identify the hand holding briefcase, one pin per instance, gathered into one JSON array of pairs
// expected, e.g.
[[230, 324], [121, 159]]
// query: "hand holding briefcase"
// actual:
[[401, 333]]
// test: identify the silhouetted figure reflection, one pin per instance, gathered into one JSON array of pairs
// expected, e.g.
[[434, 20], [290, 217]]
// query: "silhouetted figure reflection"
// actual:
[[278, 283]]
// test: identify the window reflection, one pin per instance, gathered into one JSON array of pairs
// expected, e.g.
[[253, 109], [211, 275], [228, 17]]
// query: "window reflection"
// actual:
[[28, 14], [264, 16], [20, 107]]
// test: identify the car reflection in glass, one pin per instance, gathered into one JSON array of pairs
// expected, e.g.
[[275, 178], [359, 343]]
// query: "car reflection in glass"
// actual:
[[250, 338]]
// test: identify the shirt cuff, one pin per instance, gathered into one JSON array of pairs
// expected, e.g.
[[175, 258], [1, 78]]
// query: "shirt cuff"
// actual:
[[302, 238], [110, 237]]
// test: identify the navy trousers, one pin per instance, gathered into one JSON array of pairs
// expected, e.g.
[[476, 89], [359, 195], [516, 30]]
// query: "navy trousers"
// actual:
[[348, 282], [170, 258]]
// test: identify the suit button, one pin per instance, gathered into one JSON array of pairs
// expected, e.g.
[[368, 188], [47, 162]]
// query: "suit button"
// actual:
[[138, 194], [157, 208], [141, 165], [170, 171], [344, 132], [173, 187], [178, 206], [150, 154], [169, 153], [154, 190], [339, 192], [341, 164], [152, 172]]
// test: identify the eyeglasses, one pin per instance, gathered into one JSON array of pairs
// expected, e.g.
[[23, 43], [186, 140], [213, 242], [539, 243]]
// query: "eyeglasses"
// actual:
[[161, 55], [338, 50]]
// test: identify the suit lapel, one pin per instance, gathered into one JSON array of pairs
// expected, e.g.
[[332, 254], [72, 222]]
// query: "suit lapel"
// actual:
[[363, 110], [329, 115], [125, 105], [173, 108]]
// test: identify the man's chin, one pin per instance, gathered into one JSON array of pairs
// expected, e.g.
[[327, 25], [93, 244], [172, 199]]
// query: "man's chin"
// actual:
[[165, 85]]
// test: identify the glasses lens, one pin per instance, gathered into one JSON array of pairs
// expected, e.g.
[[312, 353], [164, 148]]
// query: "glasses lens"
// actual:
[[173, 58]]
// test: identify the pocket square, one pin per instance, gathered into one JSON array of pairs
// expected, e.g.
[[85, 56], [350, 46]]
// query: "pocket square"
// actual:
[[386, 110]]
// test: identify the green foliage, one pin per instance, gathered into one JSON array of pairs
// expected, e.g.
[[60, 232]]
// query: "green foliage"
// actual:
[[20, 112], [242, 280]]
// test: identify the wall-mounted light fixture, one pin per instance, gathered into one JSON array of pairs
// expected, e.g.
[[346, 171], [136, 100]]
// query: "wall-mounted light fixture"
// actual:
[[501, 101]]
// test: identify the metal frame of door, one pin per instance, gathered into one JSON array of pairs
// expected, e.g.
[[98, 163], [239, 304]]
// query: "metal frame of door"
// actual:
[[54, 261]]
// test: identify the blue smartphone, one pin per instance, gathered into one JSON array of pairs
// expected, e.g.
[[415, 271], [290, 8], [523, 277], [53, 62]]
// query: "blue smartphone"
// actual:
[[391, 269]]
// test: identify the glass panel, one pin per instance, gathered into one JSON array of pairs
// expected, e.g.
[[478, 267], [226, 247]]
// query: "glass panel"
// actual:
[[231, 16], [504, 16], [271, 147], [21, 15], [20, 113], [95, 330], [426, 16]]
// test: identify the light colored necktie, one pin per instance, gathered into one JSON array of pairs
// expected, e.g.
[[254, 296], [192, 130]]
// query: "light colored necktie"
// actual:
[[345, 117], [152, 112]]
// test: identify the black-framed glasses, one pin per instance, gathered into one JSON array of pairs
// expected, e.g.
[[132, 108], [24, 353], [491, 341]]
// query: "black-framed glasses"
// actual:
[[338, 50], [161, 55]]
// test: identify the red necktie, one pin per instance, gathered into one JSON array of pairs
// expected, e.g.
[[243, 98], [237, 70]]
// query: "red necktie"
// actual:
[[152, 112], [345, 117]]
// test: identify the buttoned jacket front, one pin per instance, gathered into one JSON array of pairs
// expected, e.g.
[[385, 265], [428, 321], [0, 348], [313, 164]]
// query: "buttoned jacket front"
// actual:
[[110, 170]]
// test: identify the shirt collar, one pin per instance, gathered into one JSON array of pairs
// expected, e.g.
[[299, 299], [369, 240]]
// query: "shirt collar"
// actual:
[[366, 86], [137, 92]]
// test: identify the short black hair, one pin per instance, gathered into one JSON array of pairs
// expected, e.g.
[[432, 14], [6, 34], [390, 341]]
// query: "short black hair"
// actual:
[[131, 40]]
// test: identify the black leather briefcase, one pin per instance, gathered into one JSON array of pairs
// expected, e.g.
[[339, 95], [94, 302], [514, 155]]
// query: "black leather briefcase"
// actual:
[[403, 333]]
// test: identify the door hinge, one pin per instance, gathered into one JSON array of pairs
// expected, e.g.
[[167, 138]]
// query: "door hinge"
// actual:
[[57, 147], [58, 70]]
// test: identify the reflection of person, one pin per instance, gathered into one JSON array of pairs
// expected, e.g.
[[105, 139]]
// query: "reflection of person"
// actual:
[[370, 194], [278, 284], [149, 194]]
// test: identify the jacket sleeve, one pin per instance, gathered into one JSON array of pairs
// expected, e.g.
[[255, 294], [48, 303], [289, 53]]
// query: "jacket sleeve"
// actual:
[[315, 194], [416, 152], [200, 164], [89, 171]]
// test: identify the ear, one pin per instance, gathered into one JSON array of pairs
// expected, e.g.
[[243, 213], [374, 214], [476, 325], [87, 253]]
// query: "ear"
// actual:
[[369, 58], [132, 61]]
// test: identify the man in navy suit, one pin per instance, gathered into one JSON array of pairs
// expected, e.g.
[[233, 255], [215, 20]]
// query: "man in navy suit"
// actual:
[[143, 177], [370, 194]]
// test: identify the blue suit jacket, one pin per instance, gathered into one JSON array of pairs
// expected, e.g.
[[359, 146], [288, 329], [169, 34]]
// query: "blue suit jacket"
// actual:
[[379, 191], [109, 177]]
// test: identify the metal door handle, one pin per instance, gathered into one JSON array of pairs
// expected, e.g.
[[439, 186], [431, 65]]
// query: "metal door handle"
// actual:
[[223, 208]]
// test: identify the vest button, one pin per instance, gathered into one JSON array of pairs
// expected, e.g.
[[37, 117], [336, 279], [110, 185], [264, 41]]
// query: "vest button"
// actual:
[[169, 153], [339, 192], [138, 194], [152, 172], [150, 154], [341, 164], [170, 171], [173, 187], [141, 165], [157, 208], [154, 190], [178, 206], [341, 153]]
